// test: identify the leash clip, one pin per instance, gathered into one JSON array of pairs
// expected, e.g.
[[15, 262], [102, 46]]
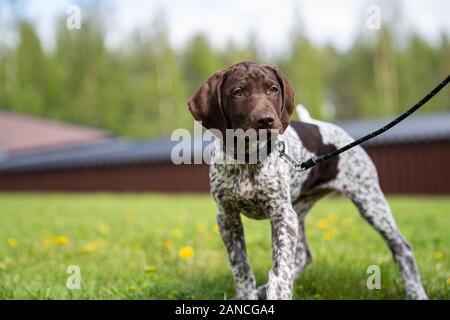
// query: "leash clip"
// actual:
[[281, 148]]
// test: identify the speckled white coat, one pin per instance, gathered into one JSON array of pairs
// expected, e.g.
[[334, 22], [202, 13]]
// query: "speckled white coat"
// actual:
[[274, 190]]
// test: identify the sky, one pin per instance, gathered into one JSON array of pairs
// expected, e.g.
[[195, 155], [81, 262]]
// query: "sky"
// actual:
[[268, 21]]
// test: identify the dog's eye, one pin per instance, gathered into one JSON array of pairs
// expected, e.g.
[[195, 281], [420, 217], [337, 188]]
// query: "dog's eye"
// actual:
[[274, 89], [238, 92]]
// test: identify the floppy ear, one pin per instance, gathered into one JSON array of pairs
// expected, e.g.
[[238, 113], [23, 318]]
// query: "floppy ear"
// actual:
[[288, 97], [206, 105]]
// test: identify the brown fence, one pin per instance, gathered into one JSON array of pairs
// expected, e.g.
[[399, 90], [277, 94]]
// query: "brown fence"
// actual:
[[163, 177], [420, 168]]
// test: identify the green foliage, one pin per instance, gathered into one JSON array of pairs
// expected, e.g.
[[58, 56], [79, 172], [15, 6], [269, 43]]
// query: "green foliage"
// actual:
[[141, 89], [128, 247]]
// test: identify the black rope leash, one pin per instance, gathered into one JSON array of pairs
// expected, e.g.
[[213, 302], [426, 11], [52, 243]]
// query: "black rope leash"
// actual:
[[313, 161]]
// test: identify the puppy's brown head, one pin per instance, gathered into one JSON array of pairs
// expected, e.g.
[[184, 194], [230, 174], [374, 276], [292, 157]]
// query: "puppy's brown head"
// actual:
[[244, 96]]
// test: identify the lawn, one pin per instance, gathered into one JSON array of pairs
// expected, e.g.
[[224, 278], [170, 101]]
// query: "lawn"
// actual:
[[167, 247]]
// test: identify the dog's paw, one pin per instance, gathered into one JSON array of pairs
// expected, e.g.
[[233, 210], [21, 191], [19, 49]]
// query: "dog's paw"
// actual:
[[248, 295], [417, 295], [262, 292]]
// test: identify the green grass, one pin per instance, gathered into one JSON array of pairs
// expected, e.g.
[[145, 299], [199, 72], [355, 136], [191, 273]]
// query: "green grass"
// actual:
[[127, 247]]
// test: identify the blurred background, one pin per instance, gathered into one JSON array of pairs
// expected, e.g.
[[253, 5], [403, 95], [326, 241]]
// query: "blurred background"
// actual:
[[93, 108], [90, 110]]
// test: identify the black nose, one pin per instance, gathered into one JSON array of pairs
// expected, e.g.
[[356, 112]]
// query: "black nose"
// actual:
[[265, 121]]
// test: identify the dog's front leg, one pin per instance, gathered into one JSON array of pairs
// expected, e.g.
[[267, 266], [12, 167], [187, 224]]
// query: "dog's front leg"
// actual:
[[232, 233], [284, 241]]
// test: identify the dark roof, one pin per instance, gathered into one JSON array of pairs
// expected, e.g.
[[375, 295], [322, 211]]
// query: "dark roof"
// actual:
[[115, 151], [103, 153], [416, 128]]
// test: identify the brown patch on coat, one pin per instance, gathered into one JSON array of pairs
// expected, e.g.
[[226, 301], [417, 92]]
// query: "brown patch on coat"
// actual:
[[312, 140]]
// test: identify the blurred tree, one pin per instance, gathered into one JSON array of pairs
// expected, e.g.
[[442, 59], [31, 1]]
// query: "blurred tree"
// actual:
[[304, 68], [141, 88], [82, 58], [31, 72], [422, 66], [233, 54], [352, 83], [200, 61], [385, 70], [3, 79]]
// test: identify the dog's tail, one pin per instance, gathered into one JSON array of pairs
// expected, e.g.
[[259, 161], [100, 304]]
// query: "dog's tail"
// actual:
[[304, 115]]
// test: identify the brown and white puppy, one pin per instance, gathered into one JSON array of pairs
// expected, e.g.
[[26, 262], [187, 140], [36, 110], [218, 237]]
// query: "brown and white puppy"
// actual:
[[246, 95], [254, 96]]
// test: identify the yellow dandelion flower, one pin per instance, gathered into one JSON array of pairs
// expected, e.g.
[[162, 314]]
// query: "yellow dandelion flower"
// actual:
[[323, 223], [88, 247], [91, 246], [167, 244], [438, 255], [103, 229], [177, 233], [216, 229], [448, 281], [186, 253], [12, 242], [61, 240], [330, 234], [150, 268]]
